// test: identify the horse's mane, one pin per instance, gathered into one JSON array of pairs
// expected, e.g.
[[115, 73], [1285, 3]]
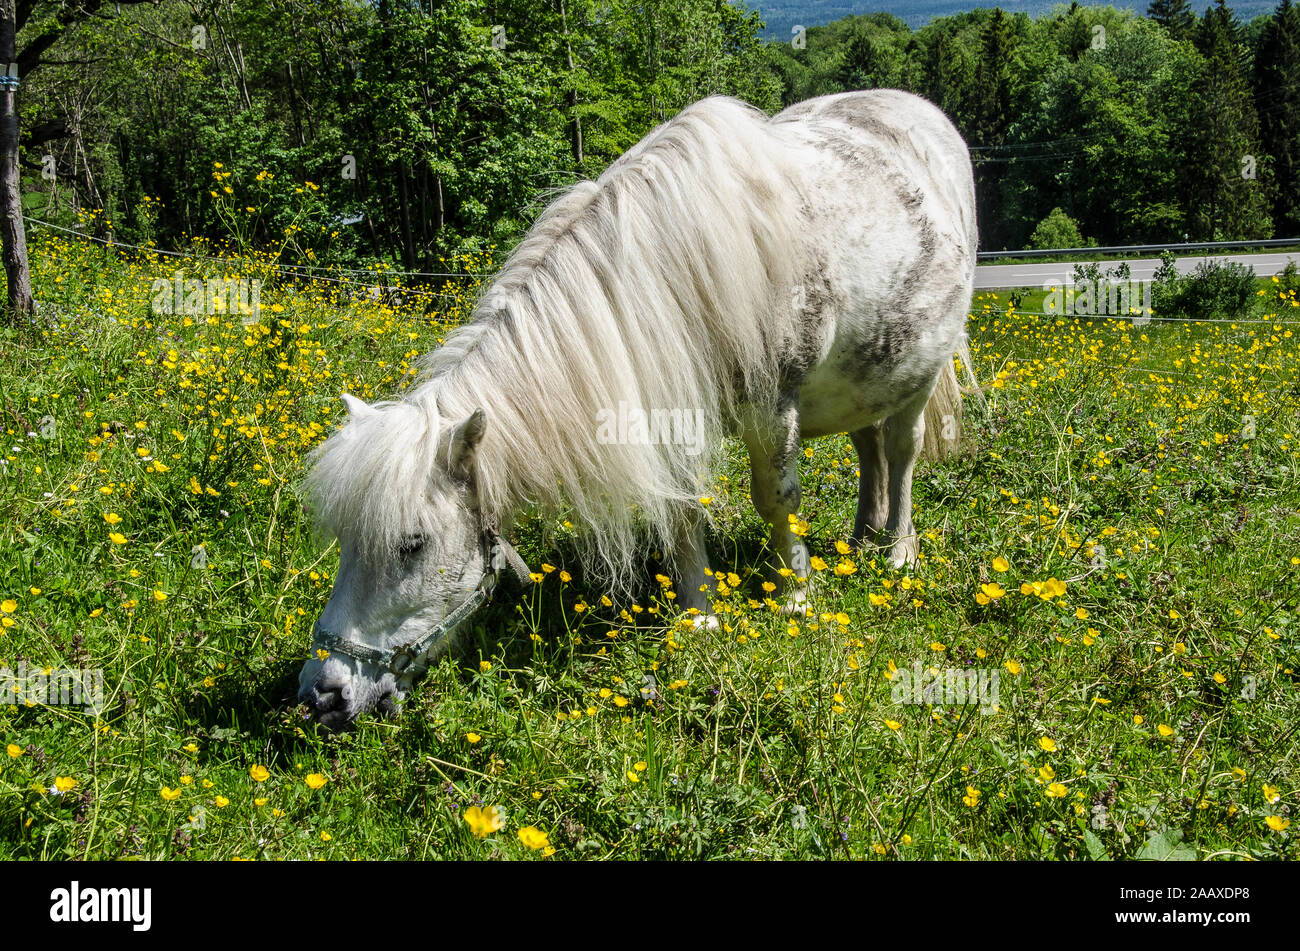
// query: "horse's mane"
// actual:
[[666, 284]]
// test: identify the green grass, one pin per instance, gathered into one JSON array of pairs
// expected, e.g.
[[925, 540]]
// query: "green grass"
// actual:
[[1151, 470]]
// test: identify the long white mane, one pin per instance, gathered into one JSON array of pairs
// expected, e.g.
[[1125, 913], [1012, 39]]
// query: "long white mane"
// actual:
[[665, 284]]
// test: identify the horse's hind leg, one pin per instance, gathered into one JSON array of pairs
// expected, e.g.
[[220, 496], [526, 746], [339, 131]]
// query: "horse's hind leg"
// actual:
[[873, 485], [903, 433], [774, 487]]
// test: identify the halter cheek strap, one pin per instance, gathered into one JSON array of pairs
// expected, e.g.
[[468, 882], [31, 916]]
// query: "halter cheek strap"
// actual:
[[409, 661]]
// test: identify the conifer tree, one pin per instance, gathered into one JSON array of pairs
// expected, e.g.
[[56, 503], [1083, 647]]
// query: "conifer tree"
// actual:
[[1277, 100], [1176, 16]]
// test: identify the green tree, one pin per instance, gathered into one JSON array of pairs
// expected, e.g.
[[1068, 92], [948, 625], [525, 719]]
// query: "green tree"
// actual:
[[1095, 139], [947, 54], [873, 56], [667, 55], [1074, 32], [1176, 16], [1277, 100], [1226, 182], [860, 64], [29, 31], [456, 121], [996, 78]]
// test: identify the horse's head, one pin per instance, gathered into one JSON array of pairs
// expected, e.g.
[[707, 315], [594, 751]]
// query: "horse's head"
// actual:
[[396, 486]]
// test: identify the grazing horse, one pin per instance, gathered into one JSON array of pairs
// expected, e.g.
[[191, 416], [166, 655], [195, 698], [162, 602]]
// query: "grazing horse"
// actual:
[[775, 279]]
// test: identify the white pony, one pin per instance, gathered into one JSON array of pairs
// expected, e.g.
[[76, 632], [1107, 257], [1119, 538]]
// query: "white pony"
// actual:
[[772, 278]]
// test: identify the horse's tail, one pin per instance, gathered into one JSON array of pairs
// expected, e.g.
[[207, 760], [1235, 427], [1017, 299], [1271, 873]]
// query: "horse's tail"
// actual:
[[943, 414]]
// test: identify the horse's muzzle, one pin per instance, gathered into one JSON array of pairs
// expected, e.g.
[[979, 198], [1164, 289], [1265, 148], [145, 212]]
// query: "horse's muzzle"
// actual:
[[328, 706]]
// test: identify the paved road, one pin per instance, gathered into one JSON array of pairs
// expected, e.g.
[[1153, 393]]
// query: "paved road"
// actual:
[[1004, 276]]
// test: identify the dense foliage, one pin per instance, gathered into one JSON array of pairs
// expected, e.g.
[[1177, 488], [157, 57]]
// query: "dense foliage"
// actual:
[[1140, 129], [432, 127]]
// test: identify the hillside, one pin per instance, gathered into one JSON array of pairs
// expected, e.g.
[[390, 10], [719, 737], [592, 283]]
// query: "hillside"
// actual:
[[780, 17]]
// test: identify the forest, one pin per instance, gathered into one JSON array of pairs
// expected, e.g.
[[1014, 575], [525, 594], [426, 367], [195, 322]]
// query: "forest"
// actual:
[[409, 131]]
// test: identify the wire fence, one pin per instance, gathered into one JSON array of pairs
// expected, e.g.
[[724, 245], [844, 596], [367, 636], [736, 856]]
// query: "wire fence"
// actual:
[[194, 255], [306, 272]]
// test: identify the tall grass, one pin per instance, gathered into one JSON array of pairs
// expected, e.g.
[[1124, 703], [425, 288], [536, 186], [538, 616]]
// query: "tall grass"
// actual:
[[1119, 544]]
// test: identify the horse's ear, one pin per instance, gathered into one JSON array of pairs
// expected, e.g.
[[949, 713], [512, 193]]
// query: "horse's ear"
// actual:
[[356, 408], [465, 439]]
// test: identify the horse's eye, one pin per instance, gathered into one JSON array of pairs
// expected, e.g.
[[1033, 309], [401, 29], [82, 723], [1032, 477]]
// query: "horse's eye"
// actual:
[[410, 546]]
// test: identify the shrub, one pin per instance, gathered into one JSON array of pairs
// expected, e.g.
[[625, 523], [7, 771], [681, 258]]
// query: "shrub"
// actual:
[[1214, 289], [1086, 272], [1289, 280], [1057, 230], [1090, 272], [1167, 273]]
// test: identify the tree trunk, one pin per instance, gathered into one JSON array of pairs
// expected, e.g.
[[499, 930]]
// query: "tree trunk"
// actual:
[[404, 205], [293, 103], [576, 135], [12, 234]]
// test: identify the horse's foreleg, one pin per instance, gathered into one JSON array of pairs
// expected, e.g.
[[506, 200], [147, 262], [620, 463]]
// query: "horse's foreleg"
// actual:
[[774, 487], [690, 559], [903, 434], [873, 485]]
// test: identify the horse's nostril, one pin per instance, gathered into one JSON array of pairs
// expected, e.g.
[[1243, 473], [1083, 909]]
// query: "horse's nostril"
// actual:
[[319, 700], [327, 700]]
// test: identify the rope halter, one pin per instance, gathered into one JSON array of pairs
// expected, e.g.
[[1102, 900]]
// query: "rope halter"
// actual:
[[409, 661]]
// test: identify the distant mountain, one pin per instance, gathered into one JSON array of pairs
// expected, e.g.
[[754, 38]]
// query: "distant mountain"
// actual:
[[781, 15]]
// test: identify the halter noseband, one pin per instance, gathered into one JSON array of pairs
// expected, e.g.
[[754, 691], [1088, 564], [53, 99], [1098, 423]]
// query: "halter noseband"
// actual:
[[409, 661]]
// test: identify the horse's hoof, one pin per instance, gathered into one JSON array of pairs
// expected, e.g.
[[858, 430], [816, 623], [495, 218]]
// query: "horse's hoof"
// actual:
[[797, 604], [904, 553]]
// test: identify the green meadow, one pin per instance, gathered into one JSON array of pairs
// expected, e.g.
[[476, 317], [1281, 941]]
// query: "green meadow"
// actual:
[[1113, 557]]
